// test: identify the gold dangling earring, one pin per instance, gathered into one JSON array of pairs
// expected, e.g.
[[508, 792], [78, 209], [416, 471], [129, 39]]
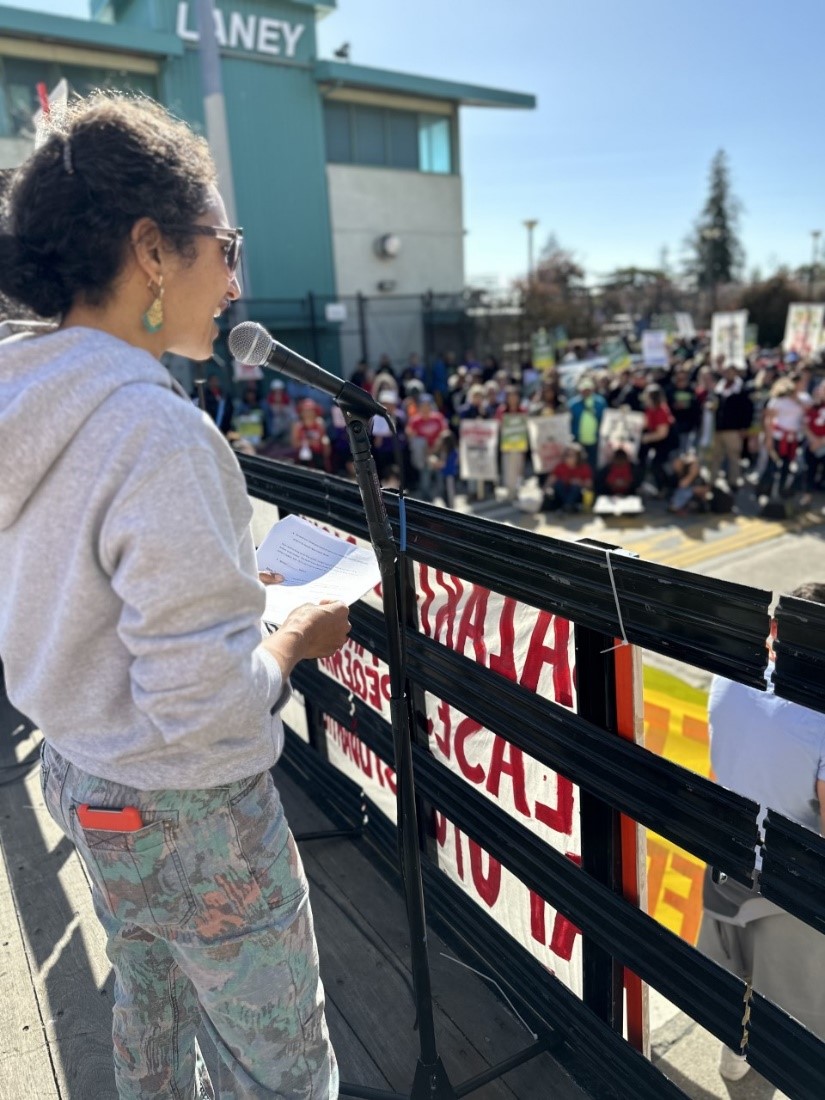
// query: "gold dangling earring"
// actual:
[[153, 317]]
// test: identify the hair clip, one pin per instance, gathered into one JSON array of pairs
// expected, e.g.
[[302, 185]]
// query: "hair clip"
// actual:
[[67, 156]]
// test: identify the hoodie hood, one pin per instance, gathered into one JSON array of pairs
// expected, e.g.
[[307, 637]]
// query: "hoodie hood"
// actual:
[[70, 370]]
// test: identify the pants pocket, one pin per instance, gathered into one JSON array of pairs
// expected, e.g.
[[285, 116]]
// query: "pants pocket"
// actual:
[[139, 874], [266, 843]]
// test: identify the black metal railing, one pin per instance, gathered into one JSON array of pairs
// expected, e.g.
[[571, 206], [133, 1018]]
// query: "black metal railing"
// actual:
[[711, 624]]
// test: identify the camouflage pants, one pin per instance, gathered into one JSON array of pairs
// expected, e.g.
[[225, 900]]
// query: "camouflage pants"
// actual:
[[207, 918]]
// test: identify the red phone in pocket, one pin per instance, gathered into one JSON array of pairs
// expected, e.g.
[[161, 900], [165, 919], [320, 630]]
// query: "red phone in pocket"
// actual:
[[124, 819]]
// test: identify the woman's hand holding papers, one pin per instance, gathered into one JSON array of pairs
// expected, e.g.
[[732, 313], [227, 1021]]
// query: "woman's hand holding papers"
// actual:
[[311, 630]]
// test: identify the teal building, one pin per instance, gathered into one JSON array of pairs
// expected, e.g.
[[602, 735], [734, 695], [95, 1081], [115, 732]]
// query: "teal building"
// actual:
[[347, 179]]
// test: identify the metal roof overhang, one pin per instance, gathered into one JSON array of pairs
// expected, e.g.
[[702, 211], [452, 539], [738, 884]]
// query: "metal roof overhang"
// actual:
[[343, 75], [14, 22]]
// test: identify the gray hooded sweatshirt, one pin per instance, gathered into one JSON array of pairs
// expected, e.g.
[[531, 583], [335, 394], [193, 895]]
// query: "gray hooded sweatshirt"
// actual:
[[130, 605]]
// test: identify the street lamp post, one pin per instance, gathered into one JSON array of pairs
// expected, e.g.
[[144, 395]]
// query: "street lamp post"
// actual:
[[530, 224], [815, 235]]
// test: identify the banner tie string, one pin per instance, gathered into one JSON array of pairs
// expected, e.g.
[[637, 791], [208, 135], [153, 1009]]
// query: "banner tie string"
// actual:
[[624, 640]]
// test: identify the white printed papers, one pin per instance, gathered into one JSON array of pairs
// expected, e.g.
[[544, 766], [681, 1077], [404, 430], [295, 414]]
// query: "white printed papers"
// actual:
[[315, 566]]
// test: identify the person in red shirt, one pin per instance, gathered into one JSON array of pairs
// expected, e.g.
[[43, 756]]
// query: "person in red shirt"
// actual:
[[424, 430], [657, 438], [814, 445], [565, 486], [619, 478], [309, 437]]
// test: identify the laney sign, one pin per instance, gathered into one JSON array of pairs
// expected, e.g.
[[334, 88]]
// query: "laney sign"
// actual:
[[253, 33]]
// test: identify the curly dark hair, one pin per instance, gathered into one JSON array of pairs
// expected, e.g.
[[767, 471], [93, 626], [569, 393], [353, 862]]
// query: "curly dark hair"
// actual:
[[73, 202]]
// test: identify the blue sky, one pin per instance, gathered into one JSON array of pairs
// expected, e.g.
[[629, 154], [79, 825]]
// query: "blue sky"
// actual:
[[634, 99]]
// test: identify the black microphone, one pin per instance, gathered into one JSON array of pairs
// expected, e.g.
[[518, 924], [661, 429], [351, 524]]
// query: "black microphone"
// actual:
[[250, 343]]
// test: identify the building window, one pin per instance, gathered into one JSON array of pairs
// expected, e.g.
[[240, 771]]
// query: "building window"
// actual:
[[403, 129], [20, 76], [434, 144], [370, 137], [384, 137], [338, 133]]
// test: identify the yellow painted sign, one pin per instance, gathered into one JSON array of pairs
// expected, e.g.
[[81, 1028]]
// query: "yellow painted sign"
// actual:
[[676, 727]]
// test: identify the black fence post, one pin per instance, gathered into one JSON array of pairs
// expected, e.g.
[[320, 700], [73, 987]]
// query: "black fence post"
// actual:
[[313, 324], [417, 702], [362, 326], [600, 823], [427, 319]]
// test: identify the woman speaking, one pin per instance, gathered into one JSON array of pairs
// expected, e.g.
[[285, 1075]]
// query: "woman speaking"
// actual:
[[130, 610]]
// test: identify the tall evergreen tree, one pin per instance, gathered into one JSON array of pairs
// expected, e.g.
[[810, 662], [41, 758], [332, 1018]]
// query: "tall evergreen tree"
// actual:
[[715, 253]]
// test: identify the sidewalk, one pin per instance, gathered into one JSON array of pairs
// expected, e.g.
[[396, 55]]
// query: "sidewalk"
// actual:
[[689, 1056]]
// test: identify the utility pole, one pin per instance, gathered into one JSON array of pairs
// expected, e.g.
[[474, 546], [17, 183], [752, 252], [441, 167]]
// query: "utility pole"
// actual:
[[815, 235], [530, 224]]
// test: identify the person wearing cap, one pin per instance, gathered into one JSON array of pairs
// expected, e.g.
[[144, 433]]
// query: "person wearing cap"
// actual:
[[586, 412]]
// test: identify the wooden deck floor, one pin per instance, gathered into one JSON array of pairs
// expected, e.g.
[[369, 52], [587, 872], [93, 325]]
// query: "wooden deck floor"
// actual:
[[56, 983]]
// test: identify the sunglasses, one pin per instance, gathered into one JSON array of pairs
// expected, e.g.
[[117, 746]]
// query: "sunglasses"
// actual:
[[233, 239]]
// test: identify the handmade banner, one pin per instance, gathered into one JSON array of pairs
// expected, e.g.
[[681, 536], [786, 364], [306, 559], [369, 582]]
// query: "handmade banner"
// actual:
[[523, 645], [654, 348], [727, 337], [549, 435], [620, 428], [478, 449], [803, 329]]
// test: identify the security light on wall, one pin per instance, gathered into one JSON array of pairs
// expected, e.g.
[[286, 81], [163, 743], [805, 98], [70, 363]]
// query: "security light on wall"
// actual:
[[388, 246]]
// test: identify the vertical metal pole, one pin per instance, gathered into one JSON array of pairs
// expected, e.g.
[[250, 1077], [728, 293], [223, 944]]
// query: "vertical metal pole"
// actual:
[[214, 110], [815, 234], [362, 325], [313, 322], [600, 823]]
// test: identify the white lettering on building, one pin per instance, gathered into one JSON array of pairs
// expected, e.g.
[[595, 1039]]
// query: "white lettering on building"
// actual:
[[255, 34]]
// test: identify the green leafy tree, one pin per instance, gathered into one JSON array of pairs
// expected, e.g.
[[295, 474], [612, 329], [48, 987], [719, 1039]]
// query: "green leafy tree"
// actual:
[[767, 305], [715, 253]]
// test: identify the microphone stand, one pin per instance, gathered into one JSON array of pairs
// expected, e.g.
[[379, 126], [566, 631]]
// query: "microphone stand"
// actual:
[[430, 1081]]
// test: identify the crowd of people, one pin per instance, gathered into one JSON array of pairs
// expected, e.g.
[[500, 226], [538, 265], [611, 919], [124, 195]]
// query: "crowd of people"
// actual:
[[710, 430]]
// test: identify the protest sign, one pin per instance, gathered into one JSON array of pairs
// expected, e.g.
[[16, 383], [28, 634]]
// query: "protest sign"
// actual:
[[618, 357], [654, 348], [514, 439], [250, 426], [803, 329], [620, 428], [727, 337], [478, 449], [685, 328], [549, 435], [543, 350]]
